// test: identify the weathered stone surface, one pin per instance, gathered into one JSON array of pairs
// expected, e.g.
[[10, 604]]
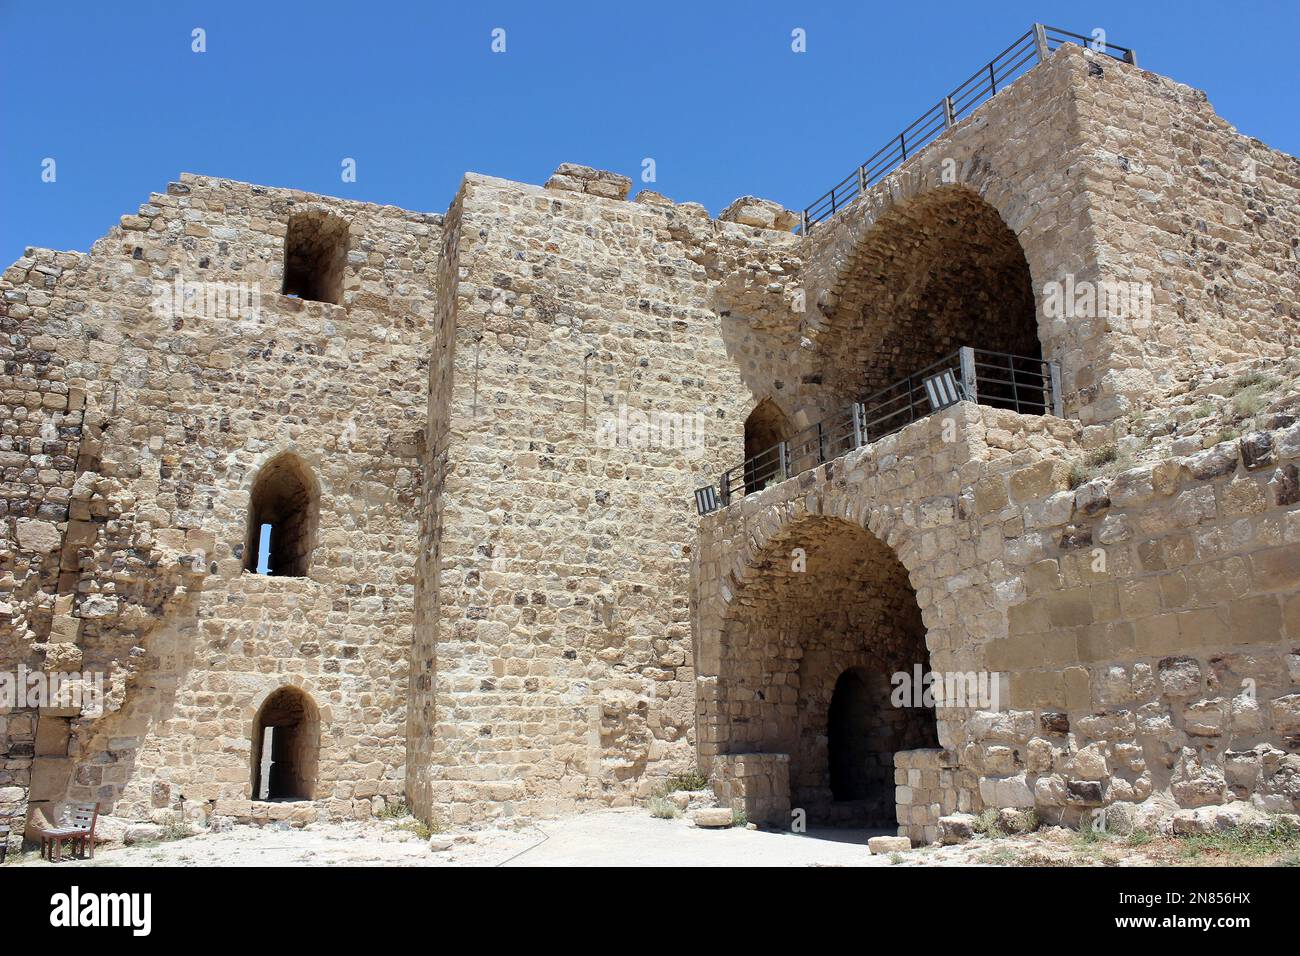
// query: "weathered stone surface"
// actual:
[[505, 603], [888, 844], [713, 817], [752, 211]]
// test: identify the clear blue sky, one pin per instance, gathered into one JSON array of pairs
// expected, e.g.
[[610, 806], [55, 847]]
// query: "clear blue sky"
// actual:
[[709, 89]]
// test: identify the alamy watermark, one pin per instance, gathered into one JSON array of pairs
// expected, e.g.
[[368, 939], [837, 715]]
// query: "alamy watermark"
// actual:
[[1106, 298], [83, 690], [178, 299], [653, 430], [937, 689]]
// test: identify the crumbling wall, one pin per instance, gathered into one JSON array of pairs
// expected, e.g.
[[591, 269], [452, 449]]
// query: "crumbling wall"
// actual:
[[197, 372]]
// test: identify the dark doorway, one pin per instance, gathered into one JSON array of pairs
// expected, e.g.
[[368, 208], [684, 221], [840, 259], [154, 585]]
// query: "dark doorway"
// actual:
[[286, 745], [847, 729]]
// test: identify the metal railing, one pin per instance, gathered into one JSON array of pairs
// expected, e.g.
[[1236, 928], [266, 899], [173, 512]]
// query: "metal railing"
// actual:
[[1022, 383], [1030, 48]]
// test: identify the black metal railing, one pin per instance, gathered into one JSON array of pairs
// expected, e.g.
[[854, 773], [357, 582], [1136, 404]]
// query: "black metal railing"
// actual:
[[1029, 49], [1022, 383]]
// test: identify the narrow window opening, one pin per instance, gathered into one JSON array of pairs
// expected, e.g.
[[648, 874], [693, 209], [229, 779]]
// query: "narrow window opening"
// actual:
[[315, 254], [282, 519]]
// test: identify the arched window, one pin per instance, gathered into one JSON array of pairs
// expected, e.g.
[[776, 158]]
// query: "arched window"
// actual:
[[282, 519], [286, 746], [315, 253], [765, 428]]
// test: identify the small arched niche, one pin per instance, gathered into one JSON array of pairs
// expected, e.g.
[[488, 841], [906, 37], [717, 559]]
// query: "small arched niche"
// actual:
[[283, 508], [765, 428], [286, 746]]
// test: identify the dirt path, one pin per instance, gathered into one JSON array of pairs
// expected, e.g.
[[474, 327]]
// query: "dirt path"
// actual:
[[628, 837]]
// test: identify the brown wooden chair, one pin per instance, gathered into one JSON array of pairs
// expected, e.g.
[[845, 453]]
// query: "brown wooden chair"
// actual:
[[80, 830]]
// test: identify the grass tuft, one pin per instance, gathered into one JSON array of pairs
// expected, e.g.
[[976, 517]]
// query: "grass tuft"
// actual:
[[662, 808]]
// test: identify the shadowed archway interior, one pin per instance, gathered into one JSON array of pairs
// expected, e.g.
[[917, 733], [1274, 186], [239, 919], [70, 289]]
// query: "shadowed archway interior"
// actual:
[[282, 514], [807, 658], [286, 746], [938, 272]]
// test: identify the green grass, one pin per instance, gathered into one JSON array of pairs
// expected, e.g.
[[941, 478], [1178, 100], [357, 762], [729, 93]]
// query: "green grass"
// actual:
[[1100, 457], [398, 810], [663, 809], [394, 810], [1089, 834], [1257, 381], [895, 859], [1002, 856], [987, 824], [1138, 837], [693, 780], [739, 818], [418, 827], [1278, 839]]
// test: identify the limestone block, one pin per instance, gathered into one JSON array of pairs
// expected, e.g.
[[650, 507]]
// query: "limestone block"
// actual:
[[881, 845], [713, 817]]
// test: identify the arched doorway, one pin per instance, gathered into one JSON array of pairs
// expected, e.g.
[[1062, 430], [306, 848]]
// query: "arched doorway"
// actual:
[[849, 754], [766, 427], [282, 511], [936, 273], [807, 657], [286, 746]]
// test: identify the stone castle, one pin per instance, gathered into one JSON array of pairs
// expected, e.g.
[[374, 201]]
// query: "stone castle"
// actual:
[[350, 506]]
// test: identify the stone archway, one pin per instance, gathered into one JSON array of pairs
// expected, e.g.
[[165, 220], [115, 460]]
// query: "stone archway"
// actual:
[[827, 597], [286, 746], [283, 512], [936, 272]]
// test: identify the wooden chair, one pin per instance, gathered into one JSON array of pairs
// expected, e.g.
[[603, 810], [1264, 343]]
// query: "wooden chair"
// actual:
[[79, 831], [83, 817]]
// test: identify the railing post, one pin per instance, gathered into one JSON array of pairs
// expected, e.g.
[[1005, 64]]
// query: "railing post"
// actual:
[[859, 425], [862, 180], [1054, 375], [1040, 41], [1131, 57], [724, 488], [993, 80], [804, 229], [948, 119], [783, 460], [902, 143], [968, 378]]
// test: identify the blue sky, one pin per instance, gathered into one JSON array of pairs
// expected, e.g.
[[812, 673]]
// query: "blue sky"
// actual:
[[412, 91]]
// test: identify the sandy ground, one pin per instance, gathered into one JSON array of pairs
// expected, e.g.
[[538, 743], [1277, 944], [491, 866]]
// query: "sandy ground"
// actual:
[[628, 837]]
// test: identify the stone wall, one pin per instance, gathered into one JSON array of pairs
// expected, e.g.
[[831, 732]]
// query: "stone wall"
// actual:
[[1102, 172], [1141, 629], [184, 405], [1209, 217], [587, 393], [507, 605]]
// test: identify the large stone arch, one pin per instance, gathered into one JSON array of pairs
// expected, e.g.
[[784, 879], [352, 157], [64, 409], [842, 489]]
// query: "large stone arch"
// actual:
[[820, 596], [933, 271]]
